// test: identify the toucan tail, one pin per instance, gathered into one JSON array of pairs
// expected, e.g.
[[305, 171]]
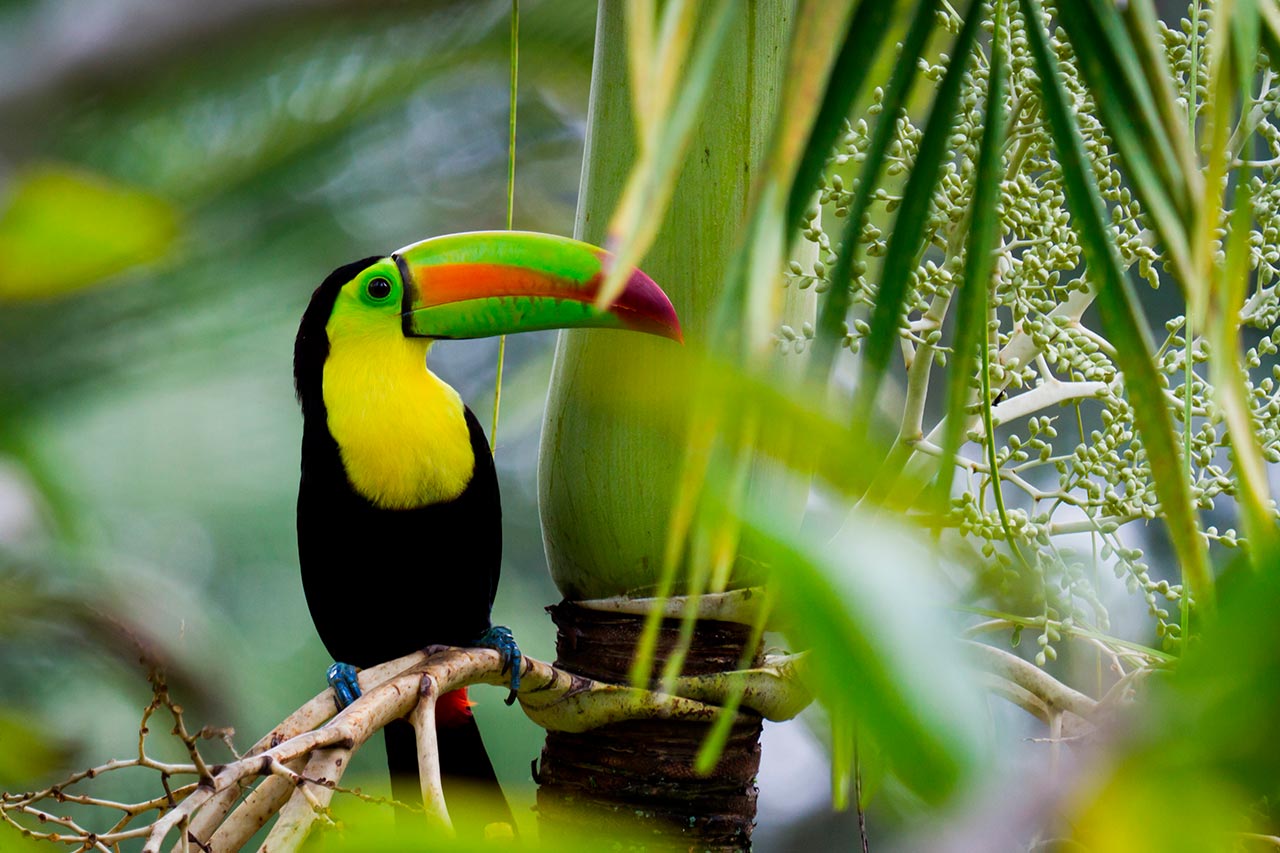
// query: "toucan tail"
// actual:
[[471, 788]]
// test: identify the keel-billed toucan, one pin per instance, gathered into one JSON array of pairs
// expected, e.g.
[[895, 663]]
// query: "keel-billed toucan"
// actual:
[[399, 521]]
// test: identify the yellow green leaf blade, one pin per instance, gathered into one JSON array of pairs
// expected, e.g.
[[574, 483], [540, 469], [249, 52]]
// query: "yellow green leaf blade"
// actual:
[[1143, 25], [1108, 62], [28, 751], [868, 607], [1230, 388], [984, 234], [836, 306], [1112, 64], [838, 87], [644, 202], [1120, 318]]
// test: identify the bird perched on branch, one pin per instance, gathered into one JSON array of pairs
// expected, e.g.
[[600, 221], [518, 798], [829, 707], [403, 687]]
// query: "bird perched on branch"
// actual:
[[399, 519]]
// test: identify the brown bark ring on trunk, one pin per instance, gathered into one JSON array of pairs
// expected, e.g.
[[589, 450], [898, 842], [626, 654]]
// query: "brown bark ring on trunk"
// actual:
[[637, 778]]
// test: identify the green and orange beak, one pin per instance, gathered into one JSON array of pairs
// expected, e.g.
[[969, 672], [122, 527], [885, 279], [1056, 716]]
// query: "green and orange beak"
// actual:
[[486, 283]]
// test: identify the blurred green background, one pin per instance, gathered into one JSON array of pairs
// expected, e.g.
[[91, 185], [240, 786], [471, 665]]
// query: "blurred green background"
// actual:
[[175, 179]]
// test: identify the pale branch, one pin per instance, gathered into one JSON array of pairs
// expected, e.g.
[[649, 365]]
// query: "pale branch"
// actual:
[[1090, 524], [775, 689], [1020, 349], [304, 807], [1023, 698], [296, 768], [1056, 696], [257, 809], [912, 463], [424, 726], [737, 605], [1043, 396]]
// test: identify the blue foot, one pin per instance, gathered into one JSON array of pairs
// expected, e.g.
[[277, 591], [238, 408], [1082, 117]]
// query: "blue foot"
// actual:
[[499, 638], [346, 687]]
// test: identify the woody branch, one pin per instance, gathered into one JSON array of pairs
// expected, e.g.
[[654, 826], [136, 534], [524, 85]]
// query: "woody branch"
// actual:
[[296, 768]]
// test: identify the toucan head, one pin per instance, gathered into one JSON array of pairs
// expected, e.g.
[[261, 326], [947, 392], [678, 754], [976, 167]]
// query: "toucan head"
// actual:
[[487, 283], [478, 284]]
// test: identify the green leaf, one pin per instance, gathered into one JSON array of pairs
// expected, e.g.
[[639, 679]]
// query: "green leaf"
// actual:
[[836, 305], [1225, 693], [640, 17], [64, 229], [1245, 38], [641, 210], [675, 35], [1269, 15], [1144, 33], [795, 429], [1108, 61], [28, 752], [1231, 390], [14, 842], [1210, 741], [908, 236], [747, 312], [984, 236], [746, 315], [1121, 320], [868, 606]]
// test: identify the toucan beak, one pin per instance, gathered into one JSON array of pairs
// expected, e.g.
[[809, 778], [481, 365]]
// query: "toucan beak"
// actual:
[[486, 283]]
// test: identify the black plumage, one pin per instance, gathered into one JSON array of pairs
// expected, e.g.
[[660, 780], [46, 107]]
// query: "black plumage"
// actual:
[[381, 583]]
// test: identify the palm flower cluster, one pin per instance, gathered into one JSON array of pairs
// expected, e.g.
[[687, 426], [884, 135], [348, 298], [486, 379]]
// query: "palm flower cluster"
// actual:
[[1070, 463]]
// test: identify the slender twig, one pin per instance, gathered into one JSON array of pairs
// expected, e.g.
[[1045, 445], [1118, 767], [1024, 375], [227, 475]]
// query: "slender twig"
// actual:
[[511, 202]]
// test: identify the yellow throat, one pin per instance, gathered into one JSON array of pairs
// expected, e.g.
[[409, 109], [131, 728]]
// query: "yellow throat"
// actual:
[[401, 431]]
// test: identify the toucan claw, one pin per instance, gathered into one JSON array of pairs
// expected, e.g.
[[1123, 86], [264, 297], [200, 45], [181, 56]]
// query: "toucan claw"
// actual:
[[499, 639], [346, 686]]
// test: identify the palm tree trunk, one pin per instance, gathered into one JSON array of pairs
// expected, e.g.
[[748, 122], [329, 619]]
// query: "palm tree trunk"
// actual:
[[636, 779], [607, 475]]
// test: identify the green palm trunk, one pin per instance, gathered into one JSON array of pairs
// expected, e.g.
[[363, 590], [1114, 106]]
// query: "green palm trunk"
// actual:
[[608, 472]]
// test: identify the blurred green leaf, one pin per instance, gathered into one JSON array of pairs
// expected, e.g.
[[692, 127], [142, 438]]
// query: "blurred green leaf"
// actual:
[[1207, 741], [796, 430], [64, 229], [798, 151], [1121, 320], [1143, 25], [868, 608], [1223, 703], [363, 826], [28, 751], [1231, 390], [1136, 811], [13, 842], [640, 25], [640, 212], [1269, 25], [1245, 39]]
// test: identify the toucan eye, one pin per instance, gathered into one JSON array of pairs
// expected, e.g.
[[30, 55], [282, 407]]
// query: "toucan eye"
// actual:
[[378, 288]]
